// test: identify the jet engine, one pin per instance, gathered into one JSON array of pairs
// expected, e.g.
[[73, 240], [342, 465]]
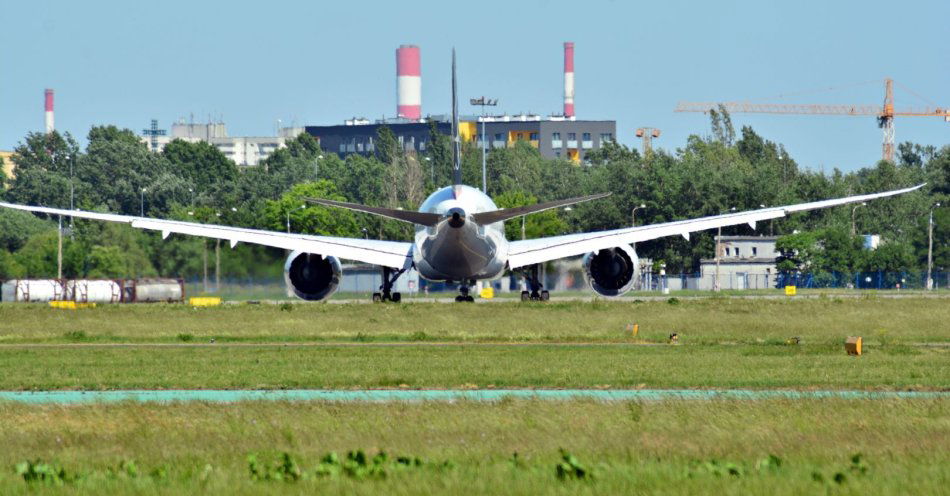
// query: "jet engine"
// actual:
[[613, 271], [311, 276]]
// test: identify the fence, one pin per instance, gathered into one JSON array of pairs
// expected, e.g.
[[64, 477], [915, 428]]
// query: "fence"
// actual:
[[364, 282]]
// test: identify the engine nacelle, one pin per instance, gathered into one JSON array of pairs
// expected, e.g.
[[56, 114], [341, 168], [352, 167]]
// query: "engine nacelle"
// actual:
[[311, 276], [612, 272]]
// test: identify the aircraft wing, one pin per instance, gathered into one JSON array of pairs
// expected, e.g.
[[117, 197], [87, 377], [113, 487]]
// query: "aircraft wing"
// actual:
[[532, 251], [386, 253]]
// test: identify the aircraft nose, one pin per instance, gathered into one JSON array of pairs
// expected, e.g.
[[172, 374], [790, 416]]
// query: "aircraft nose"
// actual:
[[456, 217]]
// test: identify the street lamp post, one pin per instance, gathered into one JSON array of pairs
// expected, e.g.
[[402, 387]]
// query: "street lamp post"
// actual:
[[431, 171], [142, 204], [717, 287], [854, 230], [930, 247], [633, 214], [288, 215], [316, 167], [484, 102]]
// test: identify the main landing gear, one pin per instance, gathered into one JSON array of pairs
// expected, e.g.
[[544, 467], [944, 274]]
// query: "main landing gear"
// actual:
[[537, 291], [463, 292], [386, 290]]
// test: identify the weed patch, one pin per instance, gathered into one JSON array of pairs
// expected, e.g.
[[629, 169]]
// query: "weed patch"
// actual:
[[569, 468], [43, 473], [76, 336], [355, 465]]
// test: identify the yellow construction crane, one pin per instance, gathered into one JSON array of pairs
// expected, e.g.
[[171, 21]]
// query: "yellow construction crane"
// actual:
[[647, 134], [885, 114]]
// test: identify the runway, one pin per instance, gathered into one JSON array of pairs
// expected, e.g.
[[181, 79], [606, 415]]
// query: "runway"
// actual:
[[414, 395]]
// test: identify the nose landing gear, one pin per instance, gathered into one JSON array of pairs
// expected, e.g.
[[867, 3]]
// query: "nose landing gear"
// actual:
[[463, 293]]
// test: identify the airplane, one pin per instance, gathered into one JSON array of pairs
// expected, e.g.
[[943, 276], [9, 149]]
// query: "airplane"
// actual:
[[459, 237]]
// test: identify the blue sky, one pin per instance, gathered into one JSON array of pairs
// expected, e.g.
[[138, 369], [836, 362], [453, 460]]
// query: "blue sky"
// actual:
[[311, 62]]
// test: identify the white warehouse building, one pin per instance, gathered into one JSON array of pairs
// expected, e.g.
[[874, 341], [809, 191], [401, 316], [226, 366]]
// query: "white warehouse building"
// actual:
[[242, 150]]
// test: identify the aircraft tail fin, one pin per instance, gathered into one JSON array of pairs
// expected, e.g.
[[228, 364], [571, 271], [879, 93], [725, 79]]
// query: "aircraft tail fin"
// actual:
[[456, 145]]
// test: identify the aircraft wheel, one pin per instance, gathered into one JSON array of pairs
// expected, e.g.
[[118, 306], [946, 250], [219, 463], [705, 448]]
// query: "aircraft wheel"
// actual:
[[525, 296], [377, 297], [545, 296], [470, 299], [397, 297]]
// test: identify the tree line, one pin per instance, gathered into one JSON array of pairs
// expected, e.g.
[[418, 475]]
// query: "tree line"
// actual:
[[708, 175]]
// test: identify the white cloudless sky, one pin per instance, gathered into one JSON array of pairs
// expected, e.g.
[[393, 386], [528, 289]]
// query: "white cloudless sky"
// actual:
[[310, 62]]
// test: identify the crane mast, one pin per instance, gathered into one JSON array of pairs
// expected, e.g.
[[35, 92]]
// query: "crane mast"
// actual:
[[885, 113]]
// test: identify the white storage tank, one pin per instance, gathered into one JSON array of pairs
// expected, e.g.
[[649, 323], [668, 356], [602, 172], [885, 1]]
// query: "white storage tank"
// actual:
[[94, 291], [154, 290], [33, 290]]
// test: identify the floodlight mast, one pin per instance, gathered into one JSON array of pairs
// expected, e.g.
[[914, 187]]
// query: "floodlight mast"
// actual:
[[484, 102]]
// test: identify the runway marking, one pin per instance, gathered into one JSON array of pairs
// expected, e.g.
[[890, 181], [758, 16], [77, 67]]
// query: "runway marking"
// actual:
[[402, 395]]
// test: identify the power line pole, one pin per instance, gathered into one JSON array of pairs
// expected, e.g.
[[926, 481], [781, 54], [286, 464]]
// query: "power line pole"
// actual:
[[59, 250]]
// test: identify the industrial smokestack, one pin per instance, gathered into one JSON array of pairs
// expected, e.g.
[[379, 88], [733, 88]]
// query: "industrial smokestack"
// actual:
[[49, 111], [569, 79], [408, 82]]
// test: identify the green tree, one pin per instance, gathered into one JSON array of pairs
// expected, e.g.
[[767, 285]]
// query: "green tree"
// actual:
[[208, 170], [541, 224], [117, 166], [42, 164], [17, 226], [37, 257], [439, 155], [311, 219], [10, 268], [4, 180]]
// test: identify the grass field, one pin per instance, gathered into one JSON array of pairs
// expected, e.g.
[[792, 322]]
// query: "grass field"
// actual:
[[654, 447], [465, 448], [468, 366], [722, 343], [697, 321]]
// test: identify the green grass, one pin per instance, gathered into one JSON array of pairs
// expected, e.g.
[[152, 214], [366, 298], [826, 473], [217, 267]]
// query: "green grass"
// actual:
[[697, 321], [451, 366], [723, 343], [663, 447], [669, 447]]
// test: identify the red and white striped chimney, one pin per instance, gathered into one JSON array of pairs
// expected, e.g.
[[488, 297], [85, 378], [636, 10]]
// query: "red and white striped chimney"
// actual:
[[408, 82], [569, 79], [49, 111]]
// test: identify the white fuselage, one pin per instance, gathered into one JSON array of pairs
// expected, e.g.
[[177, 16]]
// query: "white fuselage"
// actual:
[[457, 249]]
